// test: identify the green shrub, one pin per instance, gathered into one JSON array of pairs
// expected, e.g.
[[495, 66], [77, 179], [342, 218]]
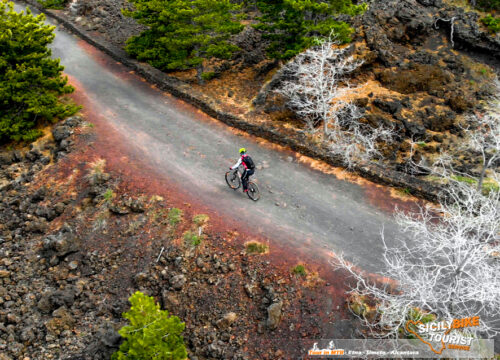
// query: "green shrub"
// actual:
[[488, 5], [53, 4], [151, 333], [174, 216], [299, 270], [256, 247], [192, 238], [209, 75], [31, 82], [404, 191], [292, 26], [492, 23], [108, 195]]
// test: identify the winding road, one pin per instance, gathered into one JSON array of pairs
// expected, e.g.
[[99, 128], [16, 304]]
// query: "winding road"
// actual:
[[300, 207]]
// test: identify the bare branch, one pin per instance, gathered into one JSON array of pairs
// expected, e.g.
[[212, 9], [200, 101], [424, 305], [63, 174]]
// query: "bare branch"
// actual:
[[316, 91]]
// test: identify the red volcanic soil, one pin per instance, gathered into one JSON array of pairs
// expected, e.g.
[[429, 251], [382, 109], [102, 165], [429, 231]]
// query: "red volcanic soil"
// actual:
[[314, 306]]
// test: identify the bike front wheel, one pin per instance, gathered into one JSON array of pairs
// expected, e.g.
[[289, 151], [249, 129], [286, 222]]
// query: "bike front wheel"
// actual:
[[253, 191], [233, 180]]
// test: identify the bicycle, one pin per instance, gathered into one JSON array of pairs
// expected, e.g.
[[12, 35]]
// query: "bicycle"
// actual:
[[233, 179]]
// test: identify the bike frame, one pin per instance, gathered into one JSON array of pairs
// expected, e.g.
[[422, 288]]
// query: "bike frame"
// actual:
[[240, 174]]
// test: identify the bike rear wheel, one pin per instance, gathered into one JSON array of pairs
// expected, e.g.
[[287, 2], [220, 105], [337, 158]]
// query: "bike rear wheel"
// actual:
[[233, 180], [253, 191]]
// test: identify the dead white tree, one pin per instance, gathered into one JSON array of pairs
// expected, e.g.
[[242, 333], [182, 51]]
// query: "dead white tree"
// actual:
[[448, 264], [452, 27], [353, 140], [483, 137], [317, 93], [317, 75]]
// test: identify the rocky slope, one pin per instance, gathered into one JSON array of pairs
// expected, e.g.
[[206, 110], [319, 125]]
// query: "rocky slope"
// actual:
[[77, 239], [427, 64]]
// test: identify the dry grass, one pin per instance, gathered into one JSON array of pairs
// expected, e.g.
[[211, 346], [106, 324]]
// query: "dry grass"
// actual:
[[96, 171], [255, 247]]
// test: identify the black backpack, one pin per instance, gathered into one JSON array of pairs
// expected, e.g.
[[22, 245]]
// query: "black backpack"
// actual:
[[249, 162]]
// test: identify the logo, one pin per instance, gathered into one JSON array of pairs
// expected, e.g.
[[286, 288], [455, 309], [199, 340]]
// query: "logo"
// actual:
[[330, 350], [445, 333]]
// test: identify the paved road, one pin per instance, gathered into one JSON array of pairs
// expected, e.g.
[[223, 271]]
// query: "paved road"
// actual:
[[321, 212]]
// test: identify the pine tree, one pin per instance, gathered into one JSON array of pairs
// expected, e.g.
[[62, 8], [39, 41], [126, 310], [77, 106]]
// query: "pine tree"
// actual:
[[53, 4], [487, 5], [31, 82], [182, 33], [294, 25], [152, 334]]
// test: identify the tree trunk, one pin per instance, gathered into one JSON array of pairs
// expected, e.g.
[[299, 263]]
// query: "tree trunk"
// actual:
[[486, 164]]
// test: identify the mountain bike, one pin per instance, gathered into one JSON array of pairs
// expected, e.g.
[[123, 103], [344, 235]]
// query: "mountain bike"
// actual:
[[233, 179]]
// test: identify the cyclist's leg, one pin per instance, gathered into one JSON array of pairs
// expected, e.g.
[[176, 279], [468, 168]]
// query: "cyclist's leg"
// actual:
[[249, 172], [244, 179]]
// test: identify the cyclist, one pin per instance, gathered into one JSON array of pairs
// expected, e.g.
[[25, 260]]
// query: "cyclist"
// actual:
[[249, 166]]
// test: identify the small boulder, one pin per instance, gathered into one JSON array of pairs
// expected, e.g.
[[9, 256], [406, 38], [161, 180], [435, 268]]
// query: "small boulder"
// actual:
[[118, 209], [391, 107], [141, 279], [27, 335], [12, 318], [249, 289], [73, 121], [7, 158], [64, 297], [177, 281], [61, 244], [108, 335], [61, 132], [227, 320], [274, 315], [136, 205], [33, 155], [44, 304], [199, 262], [62, 320], [169, 300]]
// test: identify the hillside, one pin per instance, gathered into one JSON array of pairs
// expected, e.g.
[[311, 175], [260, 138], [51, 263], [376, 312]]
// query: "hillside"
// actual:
[[128, 194]]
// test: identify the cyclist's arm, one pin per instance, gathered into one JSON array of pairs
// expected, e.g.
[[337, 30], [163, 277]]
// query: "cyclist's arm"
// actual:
[[236, 165]]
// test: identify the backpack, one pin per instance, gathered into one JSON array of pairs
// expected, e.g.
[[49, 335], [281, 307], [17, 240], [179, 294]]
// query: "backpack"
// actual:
[[249, 162]]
